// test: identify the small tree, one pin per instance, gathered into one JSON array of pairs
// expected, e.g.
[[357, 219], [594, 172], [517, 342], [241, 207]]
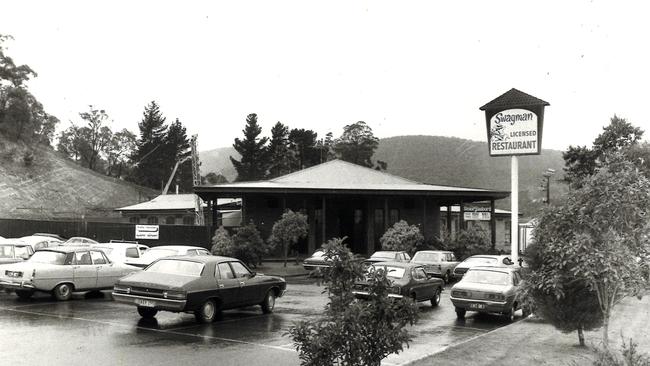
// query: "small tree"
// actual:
[[353, 332], [402, 236], [248, 245], [290, 228], [222, 243], [468, 242], [595, 235]]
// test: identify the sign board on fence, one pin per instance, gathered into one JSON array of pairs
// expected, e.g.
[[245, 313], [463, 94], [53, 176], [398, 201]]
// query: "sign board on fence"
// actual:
[[480, 216], [147, 232]]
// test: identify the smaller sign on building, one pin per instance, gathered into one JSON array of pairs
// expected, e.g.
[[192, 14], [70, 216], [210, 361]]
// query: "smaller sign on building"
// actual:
[[477, 216], [151, 232]]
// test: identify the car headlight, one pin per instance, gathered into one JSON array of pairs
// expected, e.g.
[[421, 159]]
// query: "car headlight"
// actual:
[[396, 290], [177, 295], [496, 297], [121, 288], [457, 293]]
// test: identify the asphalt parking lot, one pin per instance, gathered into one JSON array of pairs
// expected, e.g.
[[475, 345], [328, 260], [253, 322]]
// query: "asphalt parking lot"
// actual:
[[93, 329]]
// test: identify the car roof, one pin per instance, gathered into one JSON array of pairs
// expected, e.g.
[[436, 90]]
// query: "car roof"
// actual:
[[6, 242], [397, 264], [433, 251], [68, 249], [513, 268], [202, 258], [388, 251], [177, 247]]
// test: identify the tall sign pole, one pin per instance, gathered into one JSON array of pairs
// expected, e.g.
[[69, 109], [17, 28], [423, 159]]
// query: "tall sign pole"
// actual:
[[514, 123]]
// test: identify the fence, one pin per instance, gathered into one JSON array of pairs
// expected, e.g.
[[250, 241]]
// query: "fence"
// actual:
[[105, 231]]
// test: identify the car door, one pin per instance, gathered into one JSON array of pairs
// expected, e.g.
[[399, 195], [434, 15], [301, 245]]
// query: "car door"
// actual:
[[107, 274], [422, 286], [250, 293], [228, 285], [84, 273]]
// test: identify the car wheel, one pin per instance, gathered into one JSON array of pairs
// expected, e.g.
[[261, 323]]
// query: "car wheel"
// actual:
[[207, 313], [435, 300], [147, 313], [63, 292], [460, 313], [24, 294], [510, 315], [269, 302]]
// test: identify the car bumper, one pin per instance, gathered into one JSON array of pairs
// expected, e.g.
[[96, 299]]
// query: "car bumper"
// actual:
[[152, 302], [366, 295], [17, 285], [482, 305]]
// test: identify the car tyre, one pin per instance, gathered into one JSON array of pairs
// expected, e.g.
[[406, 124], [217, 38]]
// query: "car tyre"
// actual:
[[460, 313], [147, 313], [63, 292], [269, 302], [24, 294], [207, 313], [510, 315], [435, 300]]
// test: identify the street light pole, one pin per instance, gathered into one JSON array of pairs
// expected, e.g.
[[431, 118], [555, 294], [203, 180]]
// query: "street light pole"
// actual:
[[547, 174]]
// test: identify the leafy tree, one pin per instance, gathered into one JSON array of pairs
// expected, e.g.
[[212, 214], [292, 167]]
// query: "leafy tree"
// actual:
[[248, 245], [118, 151], [468, 242], [95, 134], [303, 144], [252, 149], [353, 332], [176, 147], [148, 165], [222, 243], [577, 309], [9, 71], [596, 234], [402, 236], [582, 161], [290, 228], [280, 158], [213, 178], [326, 148], [357, 144]]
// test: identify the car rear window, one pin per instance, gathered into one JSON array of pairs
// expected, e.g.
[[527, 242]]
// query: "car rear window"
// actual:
[[427, 257], [132, 252], [391, 272], [390, 255], [486, 260], [487, 277], [44, 256], [180, 267], [6, 251]]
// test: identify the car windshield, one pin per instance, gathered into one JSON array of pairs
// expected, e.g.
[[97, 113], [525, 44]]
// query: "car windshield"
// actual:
[[390, 255], [487, 277], [6, 251], [484, 260], [318, 253], [426, 257], [153, 254], [391, 272], [173, 266], [44, 256]]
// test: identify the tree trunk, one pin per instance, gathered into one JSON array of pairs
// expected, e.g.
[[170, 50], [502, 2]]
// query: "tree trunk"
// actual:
[[581, 336], [606, 330], [285, 250]]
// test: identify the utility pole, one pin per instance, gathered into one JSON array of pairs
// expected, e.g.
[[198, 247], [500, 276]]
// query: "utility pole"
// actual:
[[196, 180], [547, 174]]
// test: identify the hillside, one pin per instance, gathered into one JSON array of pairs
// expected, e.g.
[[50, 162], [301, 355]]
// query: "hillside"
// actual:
[[445, 161], [56, 188]]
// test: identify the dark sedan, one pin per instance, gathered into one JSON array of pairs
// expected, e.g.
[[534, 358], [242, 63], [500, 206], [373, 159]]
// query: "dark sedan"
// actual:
[[203, 285], [408, 281]]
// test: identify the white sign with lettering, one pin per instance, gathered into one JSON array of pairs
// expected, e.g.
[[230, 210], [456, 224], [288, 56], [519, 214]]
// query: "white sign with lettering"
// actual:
[[147, 232], [514, 132], [480, 216]]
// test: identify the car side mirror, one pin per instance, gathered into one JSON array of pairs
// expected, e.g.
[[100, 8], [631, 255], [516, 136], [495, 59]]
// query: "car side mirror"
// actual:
[[25, 256], [429, 276], [253, 274], [507, 261]]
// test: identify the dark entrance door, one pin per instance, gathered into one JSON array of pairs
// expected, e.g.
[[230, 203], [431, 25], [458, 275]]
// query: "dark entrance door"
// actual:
[[351, 219]]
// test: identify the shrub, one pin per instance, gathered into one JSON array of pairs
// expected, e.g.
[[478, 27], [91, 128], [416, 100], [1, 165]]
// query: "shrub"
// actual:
[[290, 228], [353, 332], [248, 245], [403, 237], [629, 356], [222, 243], [471, 241], [28, 158]]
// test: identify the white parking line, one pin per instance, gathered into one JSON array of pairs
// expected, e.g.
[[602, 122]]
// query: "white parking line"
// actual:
[[150, 329], [28, 305]]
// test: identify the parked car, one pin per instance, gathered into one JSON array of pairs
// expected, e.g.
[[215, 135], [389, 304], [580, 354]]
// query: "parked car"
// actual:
[[63, 270], [14, 251], [481, 260], [53, 236], [203, 285], [122, 252], [166, 251], [439, 263], [489, 290], [388, 256], [317, 260], [79, 241], [408, 280], [40, 241]]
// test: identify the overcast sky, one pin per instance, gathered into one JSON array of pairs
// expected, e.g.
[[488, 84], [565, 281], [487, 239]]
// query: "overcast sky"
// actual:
[[403, 67]]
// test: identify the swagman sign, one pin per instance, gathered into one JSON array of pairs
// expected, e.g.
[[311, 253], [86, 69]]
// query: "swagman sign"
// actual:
[[514, 124]]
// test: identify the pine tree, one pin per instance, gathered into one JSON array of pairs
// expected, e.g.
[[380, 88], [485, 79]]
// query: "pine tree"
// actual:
[[149, 164], [303, 144], [280, 157], [254, 157]]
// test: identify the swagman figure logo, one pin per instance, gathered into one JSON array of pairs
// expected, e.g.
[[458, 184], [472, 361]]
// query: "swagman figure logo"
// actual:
[[513, 131]]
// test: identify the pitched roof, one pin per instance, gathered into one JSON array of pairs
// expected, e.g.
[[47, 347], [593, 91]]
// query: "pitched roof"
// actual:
[[170, 202], [339, 176], [513, 98]]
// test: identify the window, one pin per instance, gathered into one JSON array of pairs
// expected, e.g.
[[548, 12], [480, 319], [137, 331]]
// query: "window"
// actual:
[[188, 220], [507, 232], [98, 257], [202, 252], [152, 220], [393, 216], [418, 274], [170, 220], [132, 252], [82, 258], [225, 271], [240, 270], [191, 252], [134, 220]]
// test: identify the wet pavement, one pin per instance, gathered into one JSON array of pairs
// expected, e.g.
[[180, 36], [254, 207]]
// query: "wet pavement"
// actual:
[[93, 329]]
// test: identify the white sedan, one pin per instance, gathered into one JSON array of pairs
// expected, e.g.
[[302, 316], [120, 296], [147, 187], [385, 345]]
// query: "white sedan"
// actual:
[[167, 251]]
